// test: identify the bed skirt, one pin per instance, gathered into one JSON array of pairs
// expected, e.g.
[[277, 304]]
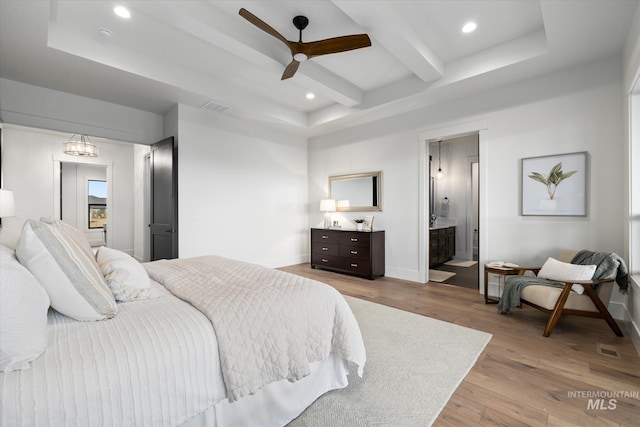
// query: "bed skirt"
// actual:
[[278, 403]]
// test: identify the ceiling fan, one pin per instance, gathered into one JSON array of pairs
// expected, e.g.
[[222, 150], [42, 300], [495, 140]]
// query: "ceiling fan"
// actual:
[[301, 51]]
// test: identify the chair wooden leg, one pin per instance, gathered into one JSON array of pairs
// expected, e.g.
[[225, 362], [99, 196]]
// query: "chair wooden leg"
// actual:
[[557, 310], [603, 310]]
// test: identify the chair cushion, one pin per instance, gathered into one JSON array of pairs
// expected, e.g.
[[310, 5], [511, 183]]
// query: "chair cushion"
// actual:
[[558, 270], [547, 296]]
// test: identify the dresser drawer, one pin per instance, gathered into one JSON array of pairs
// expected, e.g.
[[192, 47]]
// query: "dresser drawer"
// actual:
[[325, 248], [326, 236], [354, 251], [355, 239], [356, 265], [322, 260]]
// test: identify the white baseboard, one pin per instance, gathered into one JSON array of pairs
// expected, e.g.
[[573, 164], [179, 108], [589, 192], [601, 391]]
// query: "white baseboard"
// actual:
[[403, 274]]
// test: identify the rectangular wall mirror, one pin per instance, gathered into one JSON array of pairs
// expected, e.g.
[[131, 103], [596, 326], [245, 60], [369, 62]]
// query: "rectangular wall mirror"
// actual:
[[363, 191]]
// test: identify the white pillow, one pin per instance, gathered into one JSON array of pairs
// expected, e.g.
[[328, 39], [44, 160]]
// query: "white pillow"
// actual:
[[23, 314], [558, 270], [67, 271], [78, 236], [126, 277]]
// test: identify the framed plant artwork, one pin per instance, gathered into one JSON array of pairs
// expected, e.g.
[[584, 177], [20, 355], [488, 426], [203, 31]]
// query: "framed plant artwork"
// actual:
[[555, 185]]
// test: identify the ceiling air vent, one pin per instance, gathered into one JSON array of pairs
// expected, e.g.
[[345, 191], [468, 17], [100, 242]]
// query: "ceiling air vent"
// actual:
[[212, 106]]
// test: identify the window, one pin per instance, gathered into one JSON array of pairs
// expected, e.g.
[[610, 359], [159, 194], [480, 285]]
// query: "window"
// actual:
[[97, 204]]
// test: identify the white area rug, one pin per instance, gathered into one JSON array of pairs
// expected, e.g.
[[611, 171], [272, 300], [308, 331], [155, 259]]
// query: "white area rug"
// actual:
[[439, 276], [461, 263], [414, 364]]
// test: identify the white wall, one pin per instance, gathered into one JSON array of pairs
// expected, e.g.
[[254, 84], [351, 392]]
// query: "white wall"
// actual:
[[242, 190], [396, 155], [29, 157], [574, 110]]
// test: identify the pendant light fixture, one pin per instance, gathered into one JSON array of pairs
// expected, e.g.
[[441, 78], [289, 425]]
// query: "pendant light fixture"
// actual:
[[81, 146], [439, 162]]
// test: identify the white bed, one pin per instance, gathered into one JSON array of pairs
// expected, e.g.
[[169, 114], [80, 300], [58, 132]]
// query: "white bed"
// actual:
[[156, 362]]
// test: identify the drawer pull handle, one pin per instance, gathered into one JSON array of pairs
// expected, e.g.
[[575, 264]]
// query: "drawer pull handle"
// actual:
[[325, 237], [325, 249], [354, 265], [325, 260], [354, 239], [354, 252]]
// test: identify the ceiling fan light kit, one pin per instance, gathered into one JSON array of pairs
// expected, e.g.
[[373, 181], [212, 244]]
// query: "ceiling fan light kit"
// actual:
[[301, 51]]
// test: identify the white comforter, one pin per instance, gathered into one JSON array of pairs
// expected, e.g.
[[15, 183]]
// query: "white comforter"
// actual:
[[269, 324]]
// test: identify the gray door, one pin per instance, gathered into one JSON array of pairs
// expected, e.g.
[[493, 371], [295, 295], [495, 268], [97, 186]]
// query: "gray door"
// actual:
[[164, 200]]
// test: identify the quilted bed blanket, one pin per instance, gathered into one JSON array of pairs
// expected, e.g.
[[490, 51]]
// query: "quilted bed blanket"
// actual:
[[269, 324]]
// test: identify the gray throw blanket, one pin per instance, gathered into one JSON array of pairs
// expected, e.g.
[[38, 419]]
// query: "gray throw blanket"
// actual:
[[606, 264]]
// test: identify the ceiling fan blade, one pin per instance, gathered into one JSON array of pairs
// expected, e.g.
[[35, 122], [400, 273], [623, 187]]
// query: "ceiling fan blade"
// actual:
[[335, 45], [262, 25], [290, 70]]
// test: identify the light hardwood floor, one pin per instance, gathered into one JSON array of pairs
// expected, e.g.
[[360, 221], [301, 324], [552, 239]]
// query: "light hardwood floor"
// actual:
[[521, 378]]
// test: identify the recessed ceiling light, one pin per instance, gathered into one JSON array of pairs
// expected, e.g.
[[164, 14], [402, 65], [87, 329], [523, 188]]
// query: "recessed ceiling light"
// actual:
[[469, 27], [122, 12], [310, 95]]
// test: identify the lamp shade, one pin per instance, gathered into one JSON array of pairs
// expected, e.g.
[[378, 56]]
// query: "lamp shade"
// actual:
[[327, 205], [7, 204]]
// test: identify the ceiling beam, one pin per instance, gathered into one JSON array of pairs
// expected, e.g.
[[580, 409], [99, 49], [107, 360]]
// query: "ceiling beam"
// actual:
[[387, 26], [208, 23], [171, 74]]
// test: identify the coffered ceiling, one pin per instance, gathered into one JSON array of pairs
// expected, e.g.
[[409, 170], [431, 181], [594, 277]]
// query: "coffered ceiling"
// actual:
[[204, 53]]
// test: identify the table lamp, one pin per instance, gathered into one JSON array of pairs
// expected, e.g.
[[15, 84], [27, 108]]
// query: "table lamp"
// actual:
[[326, 206]]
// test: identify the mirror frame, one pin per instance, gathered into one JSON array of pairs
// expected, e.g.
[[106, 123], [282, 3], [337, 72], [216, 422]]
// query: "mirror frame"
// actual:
[[378, 191]]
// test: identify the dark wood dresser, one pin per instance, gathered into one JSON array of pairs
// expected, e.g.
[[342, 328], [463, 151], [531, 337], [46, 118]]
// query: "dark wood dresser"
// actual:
[[348, 251]]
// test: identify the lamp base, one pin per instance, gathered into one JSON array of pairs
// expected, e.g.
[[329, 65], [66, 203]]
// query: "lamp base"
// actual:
[[327, 220]]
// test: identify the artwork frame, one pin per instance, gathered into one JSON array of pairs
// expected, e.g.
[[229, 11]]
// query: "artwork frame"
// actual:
[[368, 223], [555, 185]]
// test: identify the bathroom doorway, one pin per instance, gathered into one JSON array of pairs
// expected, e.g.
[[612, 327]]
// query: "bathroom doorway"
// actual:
[[453, 216]]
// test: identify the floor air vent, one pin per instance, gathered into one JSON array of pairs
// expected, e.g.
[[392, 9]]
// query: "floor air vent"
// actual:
[[607, 350]]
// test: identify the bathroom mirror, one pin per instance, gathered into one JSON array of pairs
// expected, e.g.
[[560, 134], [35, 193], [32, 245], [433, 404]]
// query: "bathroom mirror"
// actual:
[[363, 191]]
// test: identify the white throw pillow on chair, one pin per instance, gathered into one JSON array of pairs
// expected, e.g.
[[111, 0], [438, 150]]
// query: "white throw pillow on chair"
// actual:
[[558, 270]]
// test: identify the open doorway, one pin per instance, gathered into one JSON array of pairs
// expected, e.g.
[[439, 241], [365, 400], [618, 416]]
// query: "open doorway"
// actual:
[[453, 210], [83, 195]]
